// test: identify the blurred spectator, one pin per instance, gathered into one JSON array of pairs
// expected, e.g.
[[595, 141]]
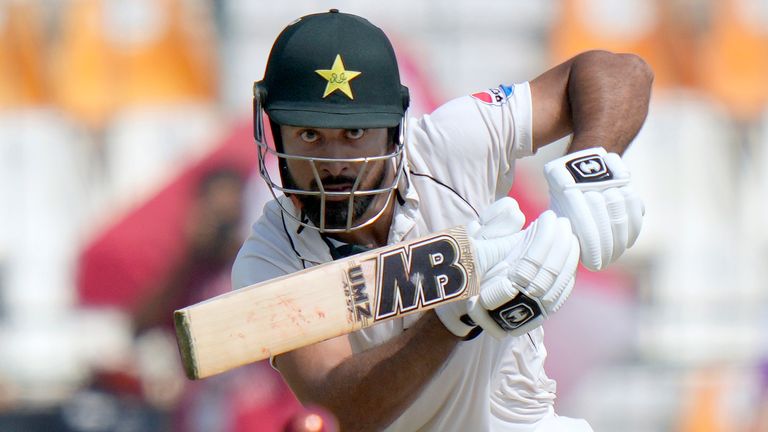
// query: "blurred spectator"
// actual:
[[228, 402], [213, 239]]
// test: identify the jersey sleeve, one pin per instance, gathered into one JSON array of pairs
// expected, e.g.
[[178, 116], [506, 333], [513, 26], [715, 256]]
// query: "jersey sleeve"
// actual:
[[481, 135]]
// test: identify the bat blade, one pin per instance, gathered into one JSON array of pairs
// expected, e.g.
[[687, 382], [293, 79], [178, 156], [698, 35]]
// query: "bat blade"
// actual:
[[325, 301]]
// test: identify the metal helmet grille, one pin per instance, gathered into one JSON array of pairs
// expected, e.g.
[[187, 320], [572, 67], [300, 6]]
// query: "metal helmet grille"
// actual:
[[298, 89], [394, 159]]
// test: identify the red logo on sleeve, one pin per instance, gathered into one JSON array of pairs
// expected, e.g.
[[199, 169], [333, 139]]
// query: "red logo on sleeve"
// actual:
[[495, 96]]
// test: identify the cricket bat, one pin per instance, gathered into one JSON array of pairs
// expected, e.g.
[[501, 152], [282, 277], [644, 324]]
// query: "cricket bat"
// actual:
[[325, 301]]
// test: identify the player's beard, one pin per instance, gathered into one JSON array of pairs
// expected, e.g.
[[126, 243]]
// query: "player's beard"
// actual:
[[337, 212]]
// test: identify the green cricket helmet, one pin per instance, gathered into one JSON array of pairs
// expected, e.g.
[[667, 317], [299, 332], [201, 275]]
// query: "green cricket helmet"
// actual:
[[331, 70]]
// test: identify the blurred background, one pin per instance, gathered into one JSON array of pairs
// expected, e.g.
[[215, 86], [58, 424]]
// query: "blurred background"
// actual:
[[127, 183]]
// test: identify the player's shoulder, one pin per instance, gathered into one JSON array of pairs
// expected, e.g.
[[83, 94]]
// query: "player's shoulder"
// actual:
[[474, 116], [268, 229], [266, 252], [488, 99]]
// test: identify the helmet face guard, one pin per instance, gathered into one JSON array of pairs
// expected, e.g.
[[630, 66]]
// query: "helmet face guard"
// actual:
[[336, 71], [394, 163]]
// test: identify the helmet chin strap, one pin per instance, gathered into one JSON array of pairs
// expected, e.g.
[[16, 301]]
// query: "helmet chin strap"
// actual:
[[282, 163]]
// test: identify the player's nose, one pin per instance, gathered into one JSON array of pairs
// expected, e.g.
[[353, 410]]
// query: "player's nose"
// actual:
[[339, 159], [335, 169]]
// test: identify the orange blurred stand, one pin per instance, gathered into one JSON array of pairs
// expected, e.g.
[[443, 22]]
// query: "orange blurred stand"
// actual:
[[734, 59], [113, 55], [636, 27], [702, 409], [22, 82]]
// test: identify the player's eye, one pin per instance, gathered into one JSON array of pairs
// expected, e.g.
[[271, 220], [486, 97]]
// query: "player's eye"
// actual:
[[308, 135], [354, 133]]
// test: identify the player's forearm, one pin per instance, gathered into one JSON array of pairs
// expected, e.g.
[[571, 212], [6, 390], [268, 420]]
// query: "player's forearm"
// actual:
[[608, 96], [369, 390]]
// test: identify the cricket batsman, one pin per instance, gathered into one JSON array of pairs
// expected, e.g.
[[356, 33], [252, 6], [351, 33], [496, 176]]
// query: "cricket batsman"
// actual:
[[356, 173]]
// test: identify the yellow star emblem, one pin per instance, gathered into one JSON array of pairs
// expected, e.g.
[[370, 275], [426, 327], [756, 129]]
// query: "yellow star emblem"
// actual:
[[338, 78]]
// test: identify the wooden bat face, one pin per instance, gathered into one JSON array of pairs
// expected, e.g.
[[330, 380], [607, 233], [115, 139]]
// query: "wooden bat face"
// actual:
[[325, 301]]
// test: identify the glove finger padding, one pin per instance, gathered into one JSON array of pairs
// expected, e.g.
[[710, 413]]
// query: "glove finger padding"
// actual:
[[592, 188], [617, 212], [578, 211], [539, 238], [555, 264], [634, 204], [512, 297], [602, 222], [490, 252], [494, 236], [553, 300], [635, 213], [496, 297]]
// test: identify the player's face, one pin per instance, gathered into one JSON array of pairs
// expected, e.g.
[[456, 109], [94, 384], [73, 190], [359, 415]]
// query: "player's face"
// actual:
[[338, 176]]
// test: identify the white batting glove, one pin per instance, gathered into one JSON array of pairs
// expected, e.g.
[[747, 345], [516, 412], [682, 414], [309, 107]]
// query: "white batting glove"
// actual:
[[493, 237], [592, 189], [534, 280]]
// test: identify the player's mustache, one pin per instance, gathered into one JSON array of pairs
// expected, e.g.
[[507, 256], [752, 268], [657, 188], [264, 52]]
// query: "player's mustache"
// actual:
[[333, 181]]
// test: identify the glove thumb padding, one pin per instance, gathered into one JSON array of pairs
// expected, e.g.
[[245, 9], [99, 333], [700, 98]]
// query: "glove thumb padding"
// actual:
[[495, 234], [502, 218]]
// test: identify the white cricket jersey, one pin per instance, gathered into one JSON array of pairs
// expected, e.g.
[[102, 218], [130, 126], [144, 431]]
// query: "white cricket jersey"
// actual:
[[461, 158]]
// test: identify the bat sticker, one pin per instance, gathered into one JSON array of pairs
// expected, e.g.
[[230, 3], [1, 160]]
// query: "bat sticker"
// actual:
[[424, 273], [358, 304]]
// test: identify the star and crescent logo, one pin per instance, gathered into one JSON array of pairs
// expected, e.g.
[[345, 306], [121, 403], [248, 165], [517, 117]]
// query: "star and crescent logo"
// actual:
[[338, 78]]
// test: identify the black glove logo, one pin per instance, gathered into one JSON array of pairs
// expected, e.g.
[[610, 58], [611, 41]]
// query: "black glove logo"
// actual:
[[588, 169], [515, 313]]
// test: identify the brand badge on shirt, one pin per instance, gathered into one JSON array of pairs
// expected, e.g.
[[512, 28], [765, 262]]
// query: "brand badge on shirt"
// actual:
[[495, 96]]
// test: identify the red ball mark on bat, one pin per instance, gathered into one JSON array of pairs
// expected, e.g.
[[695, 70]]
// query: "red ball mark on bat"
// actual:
[[320, 314], [294, 312]]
